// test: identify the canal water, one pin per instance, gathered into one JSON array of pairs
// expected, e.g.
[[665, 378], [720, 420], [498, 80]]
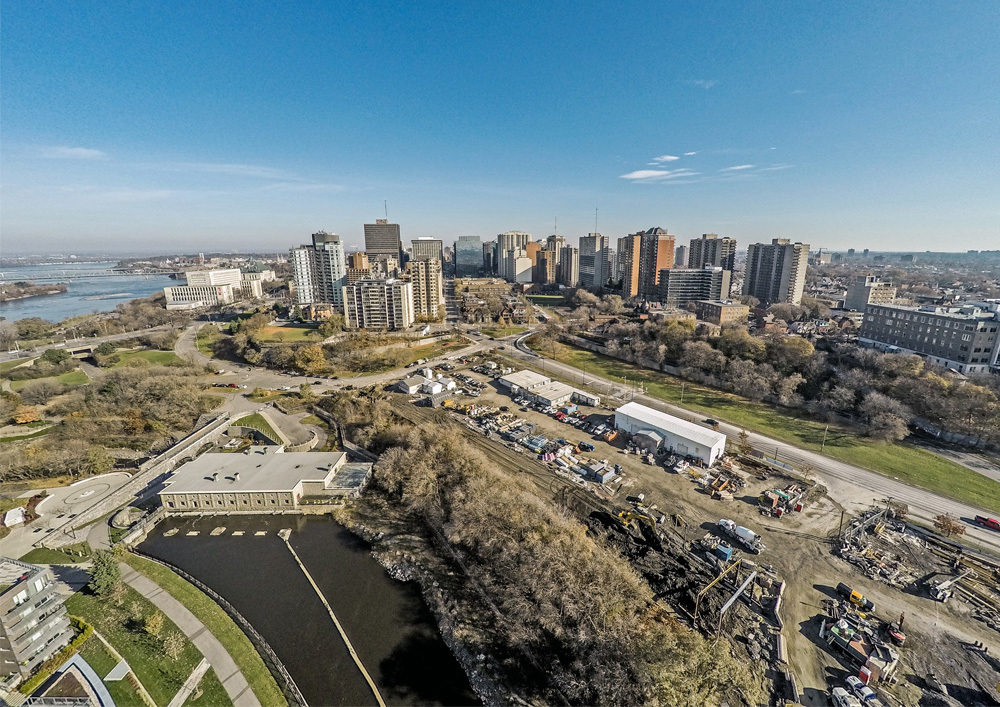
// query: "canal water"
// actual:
[[83, 295], [389, 625]]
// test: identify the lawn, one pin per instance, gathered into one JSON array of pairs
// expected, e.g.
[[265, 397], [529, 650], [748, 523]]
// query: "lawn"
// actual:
[[257, 422], [122, 692], [209, 692], [156, 358], [501, 332], [161, 677], [546, 300], [74, 377], [7, 365], [911, 464], [47, 556], [289, 334], [206, 337], [221, 626]]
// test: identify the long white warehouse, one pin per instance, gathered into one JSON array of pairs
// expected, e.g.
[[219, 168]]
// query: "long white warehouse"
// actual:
[[671, 433]]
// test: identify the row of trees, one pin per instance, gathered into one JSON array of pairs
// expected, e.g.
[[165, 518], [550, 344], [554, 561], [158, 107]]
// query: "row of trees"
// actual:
[[576, 623]]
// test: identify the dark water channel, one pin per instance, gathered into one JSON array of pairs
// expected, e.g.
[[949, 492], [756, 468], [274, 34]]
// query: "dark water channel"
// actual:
[[392, 630]]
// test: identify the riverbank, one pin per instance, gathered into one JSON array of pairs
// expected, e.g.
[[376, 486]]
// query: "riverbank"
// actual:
[[10, 292]]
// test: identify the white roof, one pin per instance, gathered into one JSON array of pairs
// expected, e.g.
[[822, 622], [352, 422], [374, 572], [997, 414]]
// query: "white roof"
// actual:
[[554, 390], [261, 469], [525, 379], [669, 423]]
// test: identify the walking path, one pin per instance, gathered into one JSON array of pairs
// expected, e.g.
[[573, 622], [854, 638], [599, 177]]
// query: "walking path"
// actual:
[[190, 684], [225, 668]]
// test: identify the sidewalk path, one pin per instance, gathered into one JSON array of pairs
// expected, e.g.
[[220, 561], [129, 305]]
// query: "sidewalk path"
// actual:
[[225, 668], [190, 684]]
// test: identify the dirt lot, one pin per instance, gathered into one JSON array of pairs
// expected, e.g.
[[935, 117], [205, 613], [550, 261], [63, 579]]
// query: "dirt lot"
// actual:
[[798, 546]]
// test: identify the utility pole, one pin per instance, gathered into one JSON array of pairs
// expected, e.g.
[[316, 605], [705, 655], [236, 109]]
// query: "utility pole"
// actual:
[[682, 393], [825, 430]]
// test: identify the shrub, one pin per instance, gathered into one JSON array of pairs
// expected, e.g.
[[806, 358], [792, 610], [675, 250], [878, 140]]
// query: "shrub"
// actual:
[[48, 667]]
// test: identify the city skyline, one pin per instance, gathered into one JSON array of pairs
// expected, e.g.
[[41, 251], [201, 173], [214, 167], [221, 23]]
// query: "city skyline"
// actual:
[[235, 126]]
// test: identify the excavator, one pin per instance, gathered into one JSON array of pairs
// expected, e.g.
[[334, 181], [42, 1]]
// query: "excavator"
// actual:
[[943, 591], [646, 523]]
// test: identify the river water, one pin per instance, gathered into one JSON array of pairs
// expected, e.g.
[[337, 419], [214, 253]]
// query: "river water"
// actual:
[[392, 630], [83, 295]]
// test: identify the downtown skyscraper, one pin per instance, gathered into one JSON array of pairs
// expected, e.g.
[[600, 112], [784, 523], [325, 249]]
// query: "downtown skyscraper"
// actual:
[[382, 240], [776, 271], [319, 270]]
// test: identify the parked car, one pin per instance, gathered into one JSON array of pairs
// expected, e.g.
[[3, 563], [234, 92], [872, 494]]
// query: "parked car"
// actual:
[[842, 698], [860, 690]]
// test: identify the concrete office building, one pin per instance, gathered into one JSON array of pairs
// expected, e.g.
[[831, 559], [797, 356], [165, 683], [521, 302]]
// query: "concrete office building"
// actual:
[[653, 429], [594, 252], [468, 256], [531, 250], [358, 260], [319, 270], [712, 250], [427, 248], [868, 289], [544, 271], [961, 338], [678, 286], [568, 269], [382, 240], [428, 287], [213, 278], [511, 246], [33, 621], [262, 479], [776, 272], [655, 255], [721, 312], [379, 304], [207, 288]]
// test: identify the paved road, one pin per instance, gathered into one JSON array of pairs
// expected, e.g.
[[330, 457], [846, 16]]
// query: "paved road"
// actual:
[[225, 668], [855, 488]]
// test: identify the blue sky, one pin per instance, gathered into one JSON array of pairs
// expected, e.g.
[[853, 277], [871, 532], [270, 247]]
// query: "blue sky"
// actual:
[[188, 126]]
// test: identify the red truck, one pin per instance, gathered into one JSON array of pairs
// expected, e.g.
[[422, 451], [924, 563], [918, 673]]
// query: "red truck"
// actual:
[[991, 523]]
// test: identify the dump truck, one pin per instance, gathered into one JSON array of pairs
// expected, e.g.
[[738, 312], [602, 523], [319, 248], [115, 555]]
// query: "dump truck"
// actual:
[[746, 537], [855, 597]]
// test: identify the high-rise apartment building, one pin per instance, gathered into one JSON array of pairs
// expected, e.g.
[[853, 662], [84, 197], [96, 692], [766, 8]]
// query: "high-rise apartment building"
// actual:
[[868, 289], [531, 250], [382, 239], [468, 256], [681, 256], [544, 270], [568, 269], [656, 254], [776, 272], [507, 243], [427, 248], [964, 338], [557, 243], [490, 257], [357, 260], [379, 304], [678, 286], [319, 270], [712, 250], [33, 621], [428, 287], [629, 250], [594, 252]]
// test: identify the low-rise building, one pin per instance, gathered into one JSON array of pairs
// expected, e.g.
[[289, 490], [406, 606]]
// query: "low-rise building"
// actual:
[[868, 289], [33, 621], [523, 380], [261, 479], [555, 394], [722, 312], [674, 434]]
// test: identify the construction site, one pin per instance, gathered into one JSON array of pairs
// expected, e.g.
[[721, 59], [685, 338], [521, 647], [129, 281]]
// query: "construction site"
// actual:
[[752, 553]]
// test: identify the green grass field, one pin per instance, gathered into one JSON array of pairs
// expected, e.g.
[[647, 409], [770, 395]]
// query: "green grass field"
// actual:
[[7, 365], [47, 556], [290, 334], [911, 464], [499, 332], [31, 435], [206, 338], [256, 421], [122, 692], [155, 358], [546, 300], [161, 677], [221, 626], [75, 377]]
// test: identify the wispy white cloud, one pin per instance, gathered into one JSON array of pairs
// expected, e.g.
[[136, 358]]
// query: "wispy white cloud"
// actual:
[[798, 92], [736, 168], [657, 175], [703, 83], [776, 167], [666, 158], [232, 170], [72, 153], [690, 154]]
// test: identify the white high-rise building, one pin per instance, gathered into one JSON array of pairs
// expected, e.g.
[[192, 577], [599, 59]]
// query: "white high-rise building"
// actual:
[[428, 287], [320, 270], [379, 304], [512, 241]]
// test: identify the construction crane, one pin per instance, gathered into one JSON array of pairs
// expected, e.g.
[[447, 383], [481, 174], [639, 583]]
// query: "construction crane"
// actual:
[[943, 591]]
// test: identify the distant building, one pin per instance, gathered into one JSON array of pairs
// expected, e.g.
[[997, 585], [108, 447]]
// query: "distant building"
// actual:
[[721, 312], [678, 286], [594, 251], [510, 246], [319, 270], [544, 272], [468, 256], [961, 338], [868, 289], [33, 622], [531, 251], [358, 260], [262, 479], [427, 248], [557, 243], [655, 255], [428, 287], [568, 269], [490, 257], [712, 250], [776, 272], [379, 304], [629, 250], [382, 240], [681, 256], [206, 288]]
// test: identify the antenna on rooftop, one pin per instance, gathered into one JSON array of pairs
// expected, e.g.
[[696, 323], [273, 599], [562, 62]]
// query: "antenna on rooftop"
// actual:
[[555, 225], [595, 219], [385, 203]]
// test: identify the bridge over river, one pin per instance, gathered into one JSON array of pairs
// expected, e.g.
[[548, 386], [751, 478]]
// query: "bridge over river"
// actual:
[[67, 275]]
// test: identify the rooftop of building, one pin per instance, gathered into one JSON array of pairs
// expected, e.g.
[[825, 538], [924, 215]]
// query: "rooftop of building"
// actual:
[[13, 572], [256, 469], [722, 303], [554, 390], [525, 379], [350, 476], [969, 310], [662, 421]]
